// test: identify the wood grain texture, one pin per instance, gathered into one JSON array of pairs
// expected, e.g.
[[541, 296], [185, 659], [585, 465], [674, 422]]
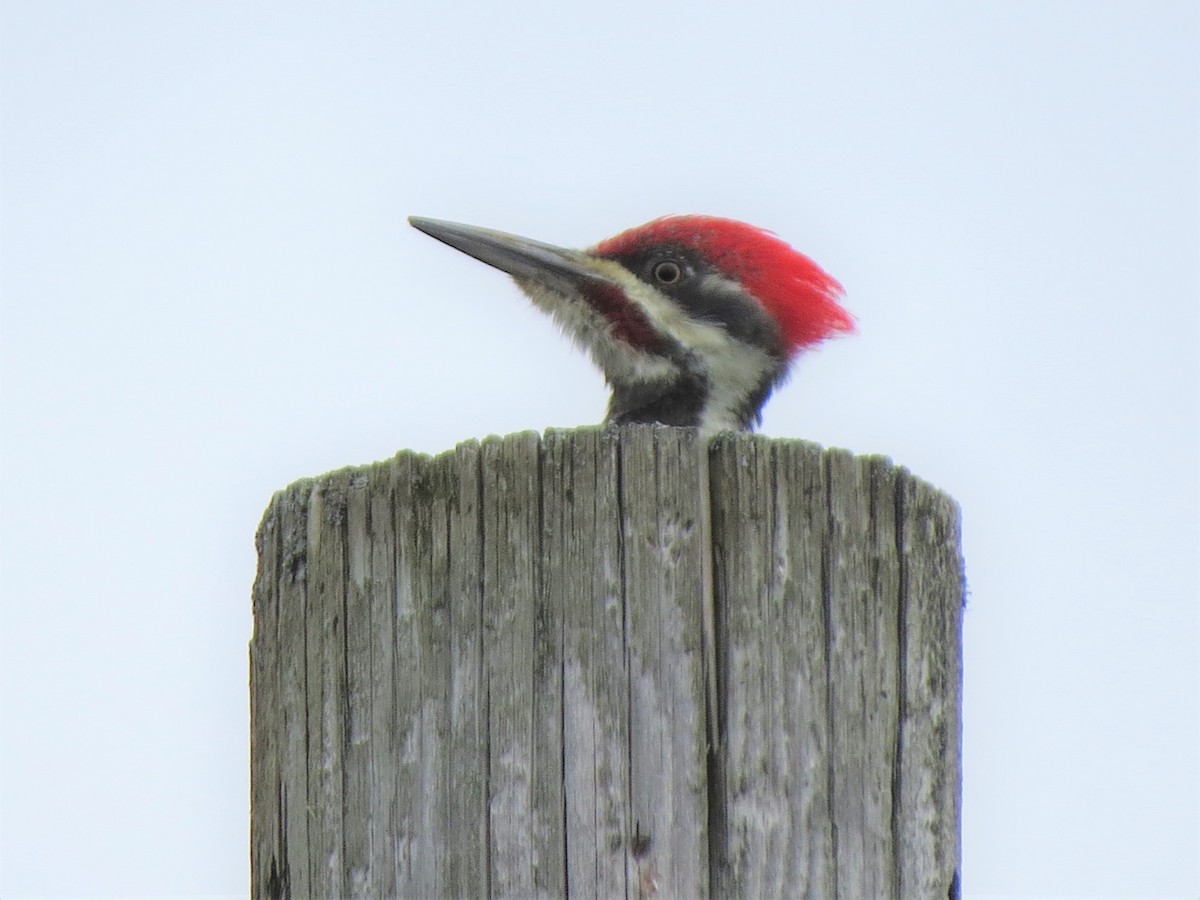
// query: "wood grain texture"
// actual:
[[582, 533], [608, 663], [769, 503], [661, 497]]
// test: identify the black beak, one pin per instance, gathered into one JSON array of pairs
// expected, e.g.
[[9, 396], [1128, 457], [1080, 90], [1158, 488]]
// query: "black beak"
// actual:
[[522, 258]]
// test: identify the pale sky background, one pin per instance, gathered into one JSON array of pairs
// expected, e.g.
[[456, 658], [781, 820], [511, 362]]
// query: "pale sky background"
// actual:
[[209, 291]]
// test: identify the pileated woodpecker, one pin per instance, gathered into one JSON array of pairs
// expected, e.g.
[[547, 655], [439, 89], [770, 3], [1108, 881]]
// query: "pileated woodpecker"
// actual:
[[692, 319]]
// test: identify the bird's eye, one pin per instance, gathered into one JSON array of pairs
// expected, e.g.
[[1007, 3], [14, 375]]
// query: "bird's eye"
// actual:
[[668, 272]]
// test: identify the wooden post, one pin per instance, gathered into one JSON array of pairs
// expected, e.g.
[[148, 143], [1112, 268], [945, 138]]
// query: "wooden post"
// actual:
[[608, 663]]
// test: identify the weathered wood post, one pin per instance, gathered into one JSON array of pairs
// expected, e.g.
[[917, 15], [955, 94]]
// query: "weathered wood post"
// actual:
[[608, 663]]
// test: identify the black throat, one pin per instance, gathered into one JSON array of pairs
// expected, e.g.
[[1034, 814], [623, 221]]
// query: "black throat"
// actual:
[[681, 401], [677, 401]]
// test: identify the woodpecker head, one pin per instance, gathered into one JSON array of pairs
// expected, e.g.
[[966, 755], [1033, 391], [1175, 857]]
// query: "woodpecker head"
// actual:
[[692, 319]]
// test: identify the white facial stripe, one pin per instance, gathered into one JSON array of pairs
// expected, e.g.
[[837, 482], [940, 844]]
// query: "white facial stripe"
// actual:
[[735, 375]]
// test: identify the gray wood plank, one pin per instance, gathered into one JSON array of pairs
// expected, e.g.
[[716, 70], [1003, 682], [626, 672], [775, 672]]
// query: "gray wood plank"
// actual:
[[662, 493], [466, 792], [268, 851], [419, 686], [801, 538], [548, 797], [582, 553], [768, 506], [325, 646], [863, 662], [511, 537], [373, 523], [929, 777], [293, 709]]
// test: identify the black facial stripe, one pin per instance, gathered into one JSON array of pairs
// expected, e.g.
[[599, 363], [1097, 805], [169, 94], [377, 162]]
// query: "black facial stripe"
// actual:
[[708, 296]]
